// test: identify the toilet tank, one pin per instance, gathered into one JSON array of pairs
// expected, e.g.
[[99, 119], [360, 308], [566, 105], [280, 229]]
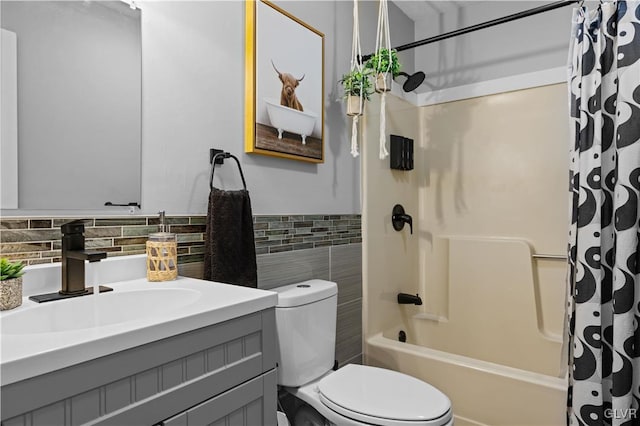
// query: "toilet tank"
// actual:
[[306, 330]]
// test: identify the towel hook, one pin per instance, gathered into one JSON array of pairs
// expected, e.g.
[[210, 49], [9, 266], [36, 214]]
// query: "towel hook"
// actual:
[[217, 157]]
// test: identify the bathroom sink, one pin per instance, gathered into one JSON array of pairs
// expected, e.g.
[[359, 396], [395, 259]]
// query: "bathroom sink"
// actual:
[[97, 310], [38, 338]]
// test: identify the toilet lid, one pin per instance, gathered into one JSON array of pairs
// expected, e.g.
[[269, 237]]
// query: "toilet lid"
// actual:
[[364, 392]]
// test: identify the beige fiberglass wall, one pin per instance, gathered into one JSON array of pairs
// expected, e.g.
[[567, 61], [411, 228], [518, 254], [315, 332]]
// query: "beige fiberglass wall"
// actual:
[[489, 189], [390, 258]]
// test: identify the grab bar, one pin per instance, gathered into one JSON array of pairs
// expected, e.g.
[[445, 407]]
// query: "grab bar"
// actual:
[[549, 256]]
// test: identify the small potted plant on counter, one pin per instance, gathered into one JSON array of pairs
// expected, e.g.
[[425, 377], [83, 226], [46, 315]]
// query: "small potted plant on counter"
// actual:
[[357, 89], [385, 65], [10, 284]]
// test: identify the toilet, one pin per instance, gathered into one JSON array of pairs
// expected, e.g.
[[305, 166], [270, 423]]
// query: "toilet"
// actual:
[[353, 394]]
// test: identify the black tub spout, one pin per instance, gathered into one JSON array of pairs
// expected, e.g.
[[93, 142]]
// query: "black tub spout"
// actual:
[[409, 299]]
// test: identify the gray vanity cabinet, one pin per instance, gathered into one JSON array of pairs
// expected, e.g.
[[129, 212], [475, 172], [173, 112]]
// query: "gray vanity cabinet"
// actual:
[[220, 374], [242, 405]]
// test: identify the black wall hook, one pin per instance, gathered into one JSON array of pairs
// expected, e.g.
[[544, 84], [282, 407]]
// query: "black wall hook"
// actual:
[[213, 153]]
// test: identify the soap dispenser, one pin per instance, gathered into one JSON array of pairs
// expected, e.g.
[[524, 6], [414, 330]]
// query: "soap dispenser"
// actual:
[[162, 254]]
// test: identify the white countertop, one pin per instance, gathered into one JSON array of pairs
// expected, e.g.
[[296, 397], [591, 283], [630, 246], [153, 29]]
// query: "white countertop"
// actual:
[[28, 355]]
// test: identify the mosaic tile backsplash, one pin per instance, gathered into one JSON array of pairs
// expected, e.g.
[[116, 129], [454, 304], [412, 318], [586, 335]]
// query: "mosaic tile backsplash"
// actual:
[[37, 240]]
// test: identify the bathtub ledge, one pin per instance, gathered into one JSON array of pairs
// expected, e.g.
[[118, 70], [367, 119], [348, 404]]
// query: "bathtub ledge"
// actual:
[[557, 383]]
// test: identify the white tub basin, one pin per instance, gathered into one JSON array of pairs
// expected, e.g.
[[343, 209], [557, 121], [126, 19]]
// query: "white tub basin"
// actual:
[[97, 311]]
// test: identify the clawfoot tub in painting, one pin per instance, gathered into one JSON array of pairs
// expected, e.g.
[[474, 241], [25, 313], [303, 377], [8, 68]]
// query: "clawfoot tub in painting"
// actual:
[[290, 120]]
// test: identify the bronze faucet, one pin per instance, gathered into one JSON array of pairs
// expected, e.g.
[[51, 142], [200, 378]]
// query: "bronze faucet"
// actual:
[[73, 257]]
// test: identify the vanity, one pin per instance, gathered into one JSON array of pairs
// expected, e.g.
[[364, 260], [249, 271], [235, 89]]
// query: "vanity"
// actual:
[[183, 352]]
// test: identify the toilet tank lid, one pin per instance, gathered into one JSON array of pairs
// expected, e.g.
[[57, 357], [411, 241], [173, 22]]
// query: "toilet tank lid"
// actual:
[[305, 292]]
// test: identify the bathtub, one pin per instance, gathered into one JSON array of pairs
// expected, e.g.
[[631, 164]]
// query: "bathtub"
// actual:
[[481, 335], [286, 119], [482, 393]]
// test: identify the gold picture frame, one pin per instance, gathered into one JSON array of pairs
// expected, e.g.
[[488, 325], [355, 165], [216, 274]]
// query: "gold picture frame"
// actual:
[[284, 84]]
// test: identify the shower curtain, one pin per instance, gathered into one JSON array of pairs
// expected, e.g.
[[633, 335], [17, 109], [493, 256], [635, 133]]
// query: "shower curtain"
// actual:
[[604, 244]]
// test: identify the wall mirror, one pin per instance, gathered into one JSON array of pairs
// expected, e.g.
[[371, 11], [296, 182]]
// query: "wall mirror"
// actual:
[[71, 106]]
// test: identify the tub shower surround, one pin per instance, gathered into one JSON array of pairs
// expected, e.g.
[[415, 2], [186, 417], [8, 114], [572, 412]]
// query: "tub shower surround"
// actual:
[[37, 240]]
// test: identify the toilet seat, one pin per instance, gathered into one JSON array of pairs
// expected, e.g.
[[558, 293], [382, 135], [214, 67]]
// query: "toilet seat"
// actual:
[[383, 397]]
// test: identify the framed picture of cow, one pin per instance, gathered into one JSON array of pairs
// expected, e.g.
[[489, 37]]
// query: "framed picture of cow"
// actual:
[[284, 84]]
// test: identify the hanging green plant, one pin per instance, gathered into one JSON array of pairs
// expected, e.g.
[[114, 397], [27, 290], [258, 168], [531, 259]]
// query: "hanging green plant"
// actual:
[[380, 63], [386, 65], [356, 83]]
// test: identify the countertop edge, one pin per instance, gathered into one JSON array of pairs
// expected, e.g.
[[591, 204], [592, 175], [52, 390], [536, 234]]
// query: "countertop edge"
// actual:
[[28, 367]]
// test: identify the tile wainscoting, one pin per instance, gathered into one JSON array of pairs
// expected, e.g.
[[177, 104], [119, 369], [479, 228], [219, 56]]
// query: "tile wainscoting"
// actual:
[[289, 248], [37, 240], [342, 264]]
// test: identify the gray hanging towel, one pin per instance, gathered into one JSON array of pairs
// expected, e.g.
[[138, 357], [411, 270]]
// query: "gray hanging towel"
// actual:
[[230, 251]]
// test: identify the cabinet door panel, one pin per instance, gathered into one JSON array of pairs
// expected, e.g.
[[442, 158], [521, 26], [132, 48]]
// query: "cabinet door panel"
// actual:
[[248, 404], [179, 420], [230, 403]]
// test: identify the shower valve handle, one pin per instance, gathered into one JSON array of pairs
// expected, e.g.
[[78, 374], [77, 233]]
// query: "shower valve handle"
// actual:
[[399, 218]]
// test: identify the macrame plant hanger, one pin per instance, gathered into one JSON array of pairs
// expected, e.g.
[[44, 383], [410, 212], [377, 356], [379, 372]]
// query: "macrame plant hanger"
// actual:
[[356, 65], [383, 41]]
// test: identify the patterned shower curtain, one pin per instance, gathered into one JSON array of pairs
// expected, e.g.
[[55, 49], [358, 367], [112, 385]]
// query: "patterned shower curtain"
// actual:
[[604, 236]]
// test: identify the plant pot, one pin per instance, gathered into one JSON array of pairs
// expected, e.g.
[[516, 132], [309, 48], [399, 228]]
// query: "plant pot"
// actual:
[[10, 293], [354, 105], [383, 82]]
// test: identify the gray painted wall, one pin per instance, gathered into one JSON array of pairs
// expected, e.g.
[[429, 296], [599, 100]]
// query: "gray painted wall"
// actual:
[[78, 103], [193, 100], [530, 44]]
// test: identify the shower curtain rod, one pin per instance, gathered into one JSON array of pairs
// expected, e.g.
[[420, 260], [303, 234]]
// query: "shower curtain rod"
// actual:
[[461, 31]]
